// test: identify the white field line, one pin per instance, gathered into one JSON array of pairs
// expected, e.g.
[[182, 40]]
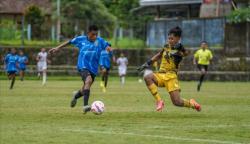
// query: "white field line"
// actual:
[[199, 126], [152, 136]]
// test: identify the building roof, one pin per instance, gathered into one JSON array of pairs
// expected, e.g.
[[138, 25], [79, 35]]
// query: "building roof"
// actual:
[[169, 8], [19, 6], [168, 2]]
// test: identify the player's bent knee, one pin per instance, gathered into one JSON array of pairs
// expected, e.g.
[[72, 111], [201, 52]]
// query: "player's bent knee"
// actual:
[[148, 79]]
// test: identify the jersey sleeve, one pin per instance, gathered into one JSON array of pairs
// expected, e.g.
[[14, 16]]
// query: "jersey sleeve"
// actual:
[[210, 55], [75, 40], [104, 44], [110, 54], [182, 48], [26, 59], [196, 55], [17, 58], [6, 58], [179, 47]]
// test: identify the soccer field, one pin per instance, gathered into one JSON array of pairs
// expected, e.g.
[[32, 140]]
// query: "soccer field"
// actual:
[[32, 114]]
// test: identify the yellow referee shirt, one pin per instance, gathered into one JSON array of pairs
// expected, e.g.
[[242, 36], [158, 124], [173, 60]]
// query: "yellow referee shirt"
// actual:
[[203, 56]]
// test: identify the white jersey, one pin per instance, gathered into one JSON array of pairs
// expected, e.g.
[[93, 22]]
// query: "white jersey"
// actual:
[[122, 62], [42, 57], [122, 65], [42, 61]]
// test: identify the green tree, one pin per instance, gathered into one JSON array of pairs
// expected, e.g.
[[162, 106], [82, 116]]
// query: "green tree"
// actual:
[[34, 16], [239, 15], [82, 13], [122, 9], [8, 30]]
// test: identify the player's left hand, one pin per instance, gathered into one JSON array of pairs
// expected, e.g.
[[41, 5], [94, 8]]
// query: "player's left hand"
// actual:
[[142, 67]]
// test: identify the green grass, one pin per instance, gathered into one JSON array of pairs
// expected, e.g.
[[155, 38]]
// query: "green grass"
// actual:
[[127, 43], [32, 43], [124, 43], [32, 114]]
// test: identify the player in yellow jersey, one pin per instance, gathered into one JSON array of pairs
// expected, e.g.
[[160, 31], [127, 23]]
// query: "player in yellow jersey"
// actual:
[[170, 56], [203, 56]]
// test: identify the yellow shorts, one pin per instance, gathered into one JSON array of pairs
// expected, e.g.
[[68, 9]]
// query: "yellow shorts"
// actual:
[[168, 80]]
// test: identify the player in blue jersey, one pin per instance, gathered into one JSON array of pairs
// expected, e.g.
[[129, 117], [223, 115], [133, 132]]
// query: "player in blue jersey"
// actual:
[[11, 61], [90, 47], [105, 64], [22, 61]]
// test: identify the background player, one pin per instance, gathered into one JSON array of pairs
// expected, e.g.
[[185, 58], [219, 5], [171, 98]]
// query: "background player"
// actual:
[[11, 62], [22, 61], [171, 55], [122, 63], [203, 56], [42, 65], [105, 64], [90, 47]]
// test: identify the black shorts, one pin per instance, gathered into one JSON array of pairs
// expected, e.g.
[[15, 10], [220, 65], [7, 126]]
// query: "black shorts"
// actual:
[[11, 72], [200, 67], [84, 73]]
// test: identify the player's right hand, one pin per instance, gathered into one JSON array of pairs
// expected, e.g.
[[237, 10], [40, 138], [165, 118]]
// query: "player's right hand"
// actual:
[[53, 50]]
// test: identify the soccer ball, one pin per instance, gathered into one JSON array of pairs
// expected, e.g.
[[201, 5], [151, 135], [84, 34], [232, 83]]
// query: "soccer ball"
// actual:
[[97, 107]]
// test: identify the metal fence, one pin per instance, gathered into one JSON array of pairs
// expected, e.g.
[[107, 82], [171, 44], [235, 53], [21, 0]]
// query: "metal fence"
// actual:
[[194, 31]]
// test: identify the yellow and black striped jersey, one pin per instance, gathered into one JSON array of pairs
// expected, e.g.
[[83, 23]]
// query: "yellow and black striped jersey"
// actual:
[[171, 58]]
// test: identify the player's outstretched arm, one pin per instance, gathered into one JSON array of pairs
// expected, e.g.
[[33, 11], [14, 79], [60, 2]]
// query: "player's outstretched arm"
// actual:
[[150, 61], [53, 50]]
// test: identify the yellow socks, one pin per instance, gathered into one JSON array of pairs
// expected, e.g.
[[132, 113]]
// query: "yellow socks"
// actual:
[[153, 89], [101, 84], [186, 103]]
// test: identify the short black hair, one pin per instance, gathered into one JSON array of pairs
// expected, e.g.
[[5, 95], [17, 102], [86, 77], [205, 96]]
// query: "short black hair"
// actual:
[[204, 42], [93, 28], [176, 31]]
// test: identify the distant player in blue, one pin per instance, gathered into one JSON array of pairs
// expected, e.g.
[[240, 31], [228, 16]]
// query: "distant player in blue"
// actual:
[[90, 47], [22, 61], [105, 64], [11, 62]]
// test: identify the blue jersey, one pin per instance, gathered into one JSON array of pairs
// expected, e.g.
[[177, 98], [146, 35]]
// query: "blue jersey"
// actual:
[[22, 62], [11, 62], [105, 59], [89, 52]]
